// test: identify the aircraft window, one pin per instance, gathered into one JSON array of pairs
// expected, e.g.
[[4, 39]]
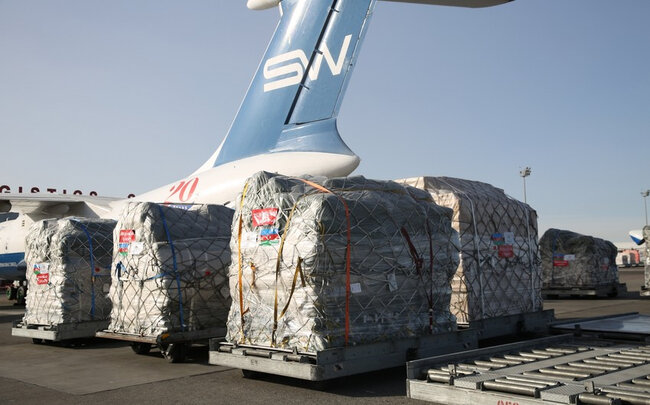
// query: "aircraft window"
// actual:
[[8, 216]]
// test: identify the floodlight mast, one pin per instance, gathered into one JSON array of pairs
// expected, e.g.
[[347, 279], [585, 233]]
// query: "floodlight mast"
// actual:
[[264, 4], [525, 173]]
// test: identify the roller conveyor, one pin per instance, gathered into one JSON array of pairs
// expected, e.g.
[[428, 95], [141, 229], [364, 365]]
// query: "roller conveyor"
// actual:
[[556, 370]]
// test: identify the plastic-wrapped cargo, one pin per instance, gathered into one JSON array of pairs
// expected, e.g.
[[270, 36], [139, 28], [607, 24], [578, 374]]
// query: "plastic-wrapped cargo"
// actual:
[[571, 260], [499, 272], [68, 271], [322, 263], [170, 269]]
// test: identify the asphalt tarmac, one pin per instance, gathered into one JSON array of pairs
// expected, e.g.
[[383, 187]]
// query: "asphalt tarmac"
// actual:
[[102, 371]]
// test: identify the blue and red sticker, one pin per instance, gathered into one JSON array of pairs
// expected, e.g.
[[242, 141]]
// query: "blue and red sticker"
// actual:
[[127, 236], [265, 219]]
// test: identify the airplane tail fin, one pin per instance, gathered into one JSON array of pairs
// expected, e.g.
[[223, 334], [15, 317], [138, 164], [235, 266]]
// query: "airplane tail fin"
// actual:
[[295, 95], [637, 237]]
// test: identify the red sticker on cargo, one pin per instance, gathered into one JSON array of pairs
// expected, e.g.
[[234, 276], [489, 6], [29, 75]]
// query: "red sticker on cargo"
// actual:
[[42, 279], [127, 235], [560, 263], [265, 216], [506, 251]]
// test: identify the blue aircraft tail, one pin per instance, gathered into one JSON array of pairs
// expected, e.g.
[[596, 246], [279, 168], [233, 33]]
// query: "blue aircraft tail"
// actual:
[[295, 96]]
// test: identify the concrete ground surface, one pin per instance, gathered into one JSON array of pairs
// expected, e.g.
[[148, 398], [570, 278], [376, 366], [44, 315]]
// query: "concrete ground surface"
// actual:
[[108, 372]]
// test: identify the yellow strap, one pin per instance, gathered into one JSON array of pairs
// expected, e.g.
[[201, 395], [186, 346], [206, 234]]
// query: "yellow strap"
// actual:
[[293, 284], [240, 272]]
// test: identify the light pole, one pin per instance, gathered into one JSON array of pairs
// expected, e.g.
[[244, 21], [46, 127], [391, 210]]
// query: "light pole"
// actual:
[[645, 195], [525, 173]]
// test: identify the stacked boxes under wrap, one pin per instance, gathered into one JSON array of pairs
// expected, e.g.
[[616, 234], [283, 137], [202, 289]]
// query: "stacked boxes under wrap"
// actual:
[[570, 260], [499, 272], [68, 271], [169, 270], [290, 280]]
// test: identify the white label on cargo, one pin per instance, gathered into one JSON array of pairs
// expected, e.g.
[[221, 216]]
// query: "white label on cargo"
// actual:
[[136, 248], [106, 287], [509, 238], [569, 258], [249, 239], [44, 268], [392, 282], [355, 288]]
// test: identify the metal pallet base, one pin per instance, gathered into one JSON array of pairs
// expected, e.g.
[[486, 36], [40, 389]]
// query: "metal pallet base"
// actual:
[[58, 332], [596, 291], [338, 362], [165, 338], [512, 325], [556, 370]]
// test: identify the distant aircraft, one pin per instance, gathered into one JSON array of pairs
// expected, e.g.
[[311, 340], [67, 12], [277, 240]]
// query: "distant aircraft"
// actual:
[[637, 236], [286, 123]]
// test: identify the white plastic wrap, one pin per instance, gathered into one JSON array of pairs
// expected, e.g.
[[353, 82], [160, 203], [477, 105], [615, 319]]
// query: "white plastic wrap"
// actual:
[[169, 270], [326, 263], [499, 272], [68, 271], [570, 260]]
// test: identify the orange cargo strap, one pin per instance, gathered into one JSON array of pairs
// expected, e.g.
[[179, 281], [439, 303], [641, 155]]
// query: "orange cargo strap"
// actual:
[[347, 253], [239, 260]]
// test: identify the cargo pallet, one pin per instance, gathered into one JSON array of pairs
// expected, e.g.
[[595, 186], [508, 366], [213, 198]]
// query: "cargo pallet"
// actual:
[[562, 369], [57, 332], [611, 290], [173, 345], [344, 361]]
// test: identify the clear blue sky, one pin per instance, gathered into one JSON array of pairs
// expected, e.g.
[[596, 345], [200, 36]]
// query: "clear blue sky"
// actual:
[[121, 96]]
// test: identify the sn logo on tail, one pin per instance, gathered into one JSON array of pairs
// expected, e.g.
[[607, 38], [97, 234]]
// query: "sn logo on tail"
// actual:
[[296, 70]]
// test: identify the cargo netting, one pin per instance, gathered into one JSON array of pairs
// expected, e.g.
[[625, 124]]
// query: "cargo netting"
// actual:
[[570, 259], [321, 263], [170, 269], [499, 272], [68, 271]]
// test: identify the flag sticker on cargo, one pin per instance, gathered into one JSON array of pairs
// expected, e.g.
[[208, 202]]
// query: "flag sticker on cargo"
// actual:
[[497, 239], [559, 260], [264, 216], [269, 236], [42, 272], [127, 236]]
